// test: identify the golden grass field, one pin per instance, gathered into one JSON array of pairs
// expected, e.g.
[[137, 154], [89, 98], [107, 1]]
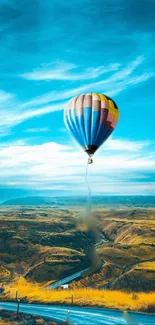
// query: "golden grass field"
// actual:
[[33, 292]]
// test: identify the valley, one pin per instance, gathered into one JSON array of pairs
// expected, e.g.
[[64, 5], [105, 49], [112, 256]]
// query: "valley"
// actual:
[[45, 244]]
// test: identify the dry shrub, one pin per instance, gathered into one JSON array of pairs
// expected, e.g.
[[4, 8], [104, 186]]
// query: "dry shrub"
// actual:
[[134, 296]]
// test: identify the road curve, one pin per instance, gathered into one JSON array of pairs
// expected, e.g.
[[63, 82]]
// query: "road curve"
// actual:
[[67, 279], [76, 275], [80, 315]]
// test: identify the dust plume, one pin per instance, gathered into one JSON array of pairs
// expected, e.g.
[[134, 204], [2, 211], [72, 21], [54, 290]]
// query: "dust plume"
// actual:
[[90, 223], [87, 220]]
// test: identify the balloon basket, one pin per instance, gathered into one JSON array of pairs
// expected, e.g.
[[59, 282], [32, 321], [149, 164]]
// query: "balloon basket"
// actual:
[[90, 160]]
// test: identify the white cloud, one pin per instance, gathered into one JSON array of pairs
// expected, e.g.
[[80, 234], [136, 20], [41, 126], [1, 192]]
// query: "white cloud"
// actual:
[[67, 71], [112, 85], [54, 166], [36, 130], [17, 115], [125, 145], [127, 71], [5, 131], [4, 96], [14, 112]]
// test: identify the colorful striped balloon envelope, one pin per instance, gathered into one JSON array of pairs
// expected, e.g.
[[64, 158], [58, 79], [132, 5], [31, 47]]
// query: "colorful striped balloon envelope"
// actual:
[[91, 118]]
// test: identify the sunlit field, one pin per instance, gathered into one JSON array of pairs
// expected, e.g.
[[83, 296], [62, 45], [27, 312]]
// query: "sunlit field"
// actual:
[[34, 293]]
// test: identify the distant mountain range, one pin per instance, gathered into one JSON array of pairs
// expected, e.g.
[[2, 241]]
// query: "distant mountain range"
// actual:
[[33, 200], [107, 201]]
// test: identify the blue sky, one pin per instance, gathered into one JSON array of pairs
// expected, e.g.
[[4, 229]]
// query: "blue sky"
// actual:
[[53, 50]]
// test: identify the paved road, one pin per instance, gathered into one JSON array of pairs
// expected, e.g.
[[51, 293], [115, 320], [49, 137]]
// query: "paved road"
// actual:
[[67, 279], [75, 275], [81, 315]]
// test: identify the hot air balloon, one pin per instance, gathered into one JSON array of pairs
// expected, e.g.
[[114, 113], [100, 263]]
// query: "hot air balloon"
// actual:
[[91, 118]]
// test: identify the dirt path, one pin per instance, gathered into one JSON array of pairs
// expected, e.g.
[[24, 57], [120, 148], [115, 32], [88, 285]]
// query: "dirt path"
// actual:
[[129, 267]]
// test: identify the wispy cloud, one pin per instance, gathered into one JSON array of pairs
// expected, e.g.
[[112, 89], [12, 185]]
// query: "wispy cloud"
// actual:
[[4, 96], [125, 145], [15, 115], [14, 112], [112, 85], [36, 130], [67, 71]]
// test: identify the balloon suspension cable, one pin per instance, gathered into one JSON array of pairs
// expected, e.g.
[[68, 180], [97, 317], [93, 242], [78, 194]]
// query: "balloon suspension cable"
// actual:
[[88, 187]]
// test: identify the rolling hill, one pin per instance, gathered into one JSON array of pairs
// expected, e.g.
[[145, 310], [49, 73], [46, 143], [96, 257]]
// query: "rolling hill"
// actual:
[[72, 201], [45, 244]]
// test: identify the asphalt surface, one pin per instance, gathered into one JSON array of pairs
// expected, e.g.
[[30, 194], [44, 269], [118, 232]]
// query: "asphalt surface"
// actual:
[[67, 279], [74, 276], [81, 315]]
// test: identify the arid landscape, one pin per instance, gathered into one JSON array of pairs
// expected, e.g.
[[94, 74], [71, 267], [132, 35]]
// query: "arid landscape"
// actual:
[[40, 245]]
